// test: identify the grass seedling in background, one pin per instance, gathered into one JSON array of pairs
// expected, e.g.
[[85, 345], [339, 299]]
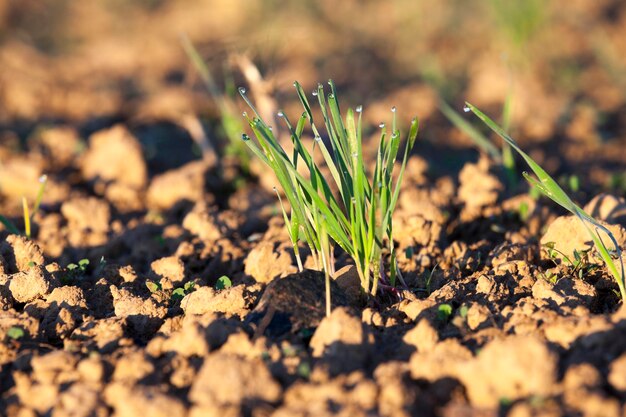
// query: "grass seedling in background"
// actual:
[[519, 21], [505, 156], [231, 124], [359, 218], [550, 188], [27, 212]]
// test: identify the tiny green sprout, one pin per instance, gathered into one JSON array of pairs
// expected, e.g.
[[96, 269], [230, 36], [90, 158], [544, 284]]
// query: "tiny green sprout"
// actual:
[[574, 183], [8, 224], [504, 156], [524, 211], [444, 311], [181, 292], [32, 264], [463, 311], [430, 278], [230, 122], [27, 212], [223, 282], [102, 263], [80, 267], [304, 370], [178, 294], [617, 182], [534, 192], [549, 247], [550, 188], [15, 333], [75, 271], [551, 277], [153, 286]]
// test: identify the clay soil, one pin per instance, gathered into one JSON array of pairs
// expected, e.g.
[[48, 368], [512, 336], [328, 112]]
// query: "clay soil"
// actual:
[[100, 97]]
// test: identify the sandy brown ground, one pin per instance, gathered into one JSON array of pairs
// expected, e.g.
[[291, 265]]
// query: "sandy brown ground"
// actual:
[[100, 97]]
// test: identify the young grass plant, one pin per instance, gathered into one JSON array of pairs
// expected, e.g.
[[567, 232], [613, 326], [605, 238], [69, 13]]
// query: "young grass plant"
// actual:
[[27, 212], [550, 188], [505, 156], [231, 125], [359, 219]]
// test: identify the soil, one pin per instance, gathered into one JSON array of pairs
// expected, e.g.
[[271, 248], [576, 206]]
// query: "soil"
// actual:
[[491, 322]]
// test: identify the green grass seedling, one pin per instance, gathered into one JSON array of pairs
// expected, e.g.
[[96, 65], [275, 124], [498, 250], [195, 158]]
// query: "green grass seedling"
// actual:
[[359, 219], [550, 188], [231, 125], [504, 156], [27, 212]]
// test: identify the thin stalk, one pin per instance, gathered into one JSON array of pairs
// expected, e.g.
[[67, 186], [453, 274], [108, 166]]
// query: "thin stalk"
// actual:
[[508, 161], [550, 188], [325, 244], [26, 217]]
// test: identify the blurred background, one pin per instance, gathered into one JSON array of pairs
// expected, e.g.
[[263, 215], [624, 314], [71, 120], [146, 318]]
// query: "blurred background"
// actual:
[[90, 64]]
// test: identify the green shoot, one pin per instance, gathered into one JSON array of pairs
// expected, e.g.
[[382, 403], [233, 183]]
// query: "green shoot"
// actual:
[[231, 125], [550, 188], [505, 156], [15, 333], [180, 292], [223, 282], [8, 224], [292, 229], [358, 219], [325, 244], [153, 286], [508, 161], [476, 135], [444, 311], [26, 217], [75, 271], [519, 21], [27, 212]]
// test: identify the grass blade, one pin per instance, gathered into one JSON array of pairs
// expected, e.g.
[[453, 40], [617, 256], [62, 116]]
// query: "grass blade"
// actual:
[[479, 139], [548, 186]]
